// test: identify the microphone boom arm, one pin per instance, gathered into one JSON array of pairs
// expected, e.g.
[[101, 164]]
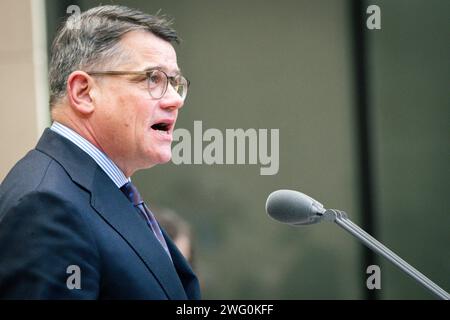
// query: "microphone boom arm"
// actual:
[[340, 218]]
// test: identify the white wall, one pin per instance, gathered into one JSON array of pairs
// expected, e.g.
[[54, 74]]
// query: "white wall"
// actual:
[[23, 82]]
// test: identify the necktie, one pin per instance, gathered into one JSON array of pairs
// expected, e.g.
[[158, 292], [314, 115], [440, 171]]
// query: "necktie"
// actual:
[[135, 198]]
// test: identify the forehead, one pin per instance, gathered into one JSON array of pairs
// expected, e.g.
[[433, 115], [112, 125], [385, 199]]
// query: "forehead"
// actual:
[[147, 50]]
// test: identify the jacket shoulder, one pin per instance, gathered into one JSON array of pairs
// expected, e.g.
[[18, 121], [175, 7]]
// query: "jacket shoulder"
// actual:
[[43, 232], [35, 172]]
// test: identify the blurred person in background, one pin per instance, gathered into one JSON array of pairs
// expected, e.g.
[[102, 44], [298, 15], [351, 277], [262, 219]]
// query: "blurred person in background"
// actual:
[[178, 230]]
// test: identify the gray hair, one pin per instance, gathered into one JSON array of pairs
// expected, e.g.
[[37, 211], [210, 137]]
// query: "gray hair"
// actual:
[[91, 39]]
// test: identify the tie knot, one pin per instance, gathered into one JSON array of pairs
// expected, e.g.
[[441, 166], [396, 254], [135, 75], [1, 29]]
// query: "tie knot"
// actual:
[[132, 193]]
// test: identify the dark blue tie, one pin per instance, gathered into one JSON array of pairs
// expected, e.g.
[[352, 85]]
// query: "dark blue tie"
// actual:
[[133, 195]]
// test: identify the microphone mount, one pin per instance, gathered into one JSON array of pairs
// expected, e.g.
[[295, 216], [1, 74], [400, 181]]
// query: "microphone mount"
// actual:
[[341, 219], [296, 208]]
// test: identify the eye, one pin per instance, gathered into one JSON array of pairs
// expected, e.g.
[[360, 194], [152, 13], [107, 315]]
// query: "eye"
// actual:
[[173, 81], [155, 78]]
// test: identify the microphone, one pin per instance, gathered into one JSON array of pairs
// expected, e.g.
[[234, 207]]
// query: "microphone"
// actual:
[[295, 208]]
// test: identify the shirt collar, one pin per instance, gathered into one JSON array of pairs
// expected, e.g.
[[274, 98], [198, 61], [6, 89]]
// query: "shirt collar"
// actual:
[[104, 162]]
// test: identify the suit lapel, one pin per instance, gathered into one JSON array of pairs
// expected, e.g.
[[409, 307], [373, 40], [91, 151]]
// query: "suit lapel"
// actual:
[[120, 214], [114, 208], [187, 276]]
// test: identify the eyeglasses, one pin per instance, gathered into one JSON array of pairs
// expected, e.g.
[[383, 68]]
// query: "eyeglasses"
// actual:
[[157, 81]]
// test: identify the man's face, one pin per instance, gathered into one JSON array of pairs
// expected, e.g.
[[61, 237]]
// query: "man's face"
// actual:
[[125, 112]]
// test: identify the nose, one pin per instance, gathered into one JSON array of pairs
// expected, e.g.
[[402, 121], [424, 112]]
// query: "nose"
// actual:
[[171, 99]]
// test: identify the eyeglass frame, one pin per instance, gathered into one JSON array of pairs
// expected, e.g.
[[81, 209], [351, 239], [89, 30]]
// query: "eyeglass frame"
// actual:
[[170, 79]]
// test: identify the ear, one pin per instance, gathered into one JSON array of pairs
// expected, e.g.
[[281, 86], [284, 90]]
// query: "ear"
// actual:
[[79, 92]]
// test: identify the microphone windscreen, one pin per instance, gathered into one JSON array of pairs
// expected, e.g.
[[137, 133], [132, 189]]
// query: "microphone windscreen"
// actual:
[[293, 207]]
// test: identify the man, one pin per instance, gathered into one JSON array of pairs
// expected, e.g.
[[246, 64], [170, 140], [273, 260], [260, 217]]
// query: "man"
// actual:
[[72, 225]]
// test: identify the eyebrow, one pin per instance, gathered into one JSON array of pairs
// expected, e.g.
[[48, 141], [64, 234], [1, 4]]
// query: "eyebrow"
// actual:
[[158, 67]]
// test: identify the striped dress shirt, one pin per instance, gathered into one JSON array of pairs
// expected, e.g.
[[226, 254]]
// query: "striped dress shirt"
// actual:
[[107, 165]]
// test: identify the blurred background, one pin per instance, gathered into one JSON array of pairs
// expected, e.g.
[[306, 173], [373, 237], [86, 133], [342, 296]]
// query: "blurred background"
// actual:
[[363, 117]]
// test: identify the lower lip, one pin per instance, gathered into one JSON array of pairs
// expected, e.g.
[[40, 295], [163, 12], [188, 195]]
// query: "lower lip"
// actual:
[[162, 135]]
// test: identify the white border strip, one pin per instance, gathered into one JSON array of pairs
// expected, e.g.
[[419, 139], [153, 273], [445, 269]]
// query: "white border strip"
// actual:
[[40, 72]]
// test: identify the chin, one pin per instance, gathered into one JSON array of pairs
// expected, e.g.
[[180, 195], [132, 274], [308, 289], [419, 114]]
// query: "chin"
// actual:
[[163, 157], [156, 155], [165, 160]]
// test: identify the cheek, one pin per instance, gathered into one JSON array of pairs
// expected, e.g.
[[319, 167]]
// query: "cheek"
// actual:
[[135, 114], [126, 112], [142, 124]]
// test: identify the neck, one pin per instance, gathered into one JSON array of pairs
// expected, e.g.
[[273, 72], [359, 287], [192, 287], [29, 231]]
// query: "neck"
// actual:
[[84, 128]]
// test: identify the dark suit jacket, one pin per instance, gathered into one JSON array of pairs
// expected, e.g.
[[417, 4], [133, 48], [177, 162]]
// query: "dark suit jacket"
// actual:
[[58, 208]]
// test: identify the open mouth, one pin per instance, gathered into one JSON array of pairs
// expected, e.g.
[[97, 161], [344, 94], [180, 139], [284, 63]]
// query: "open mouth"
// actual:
[[162, 126]]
